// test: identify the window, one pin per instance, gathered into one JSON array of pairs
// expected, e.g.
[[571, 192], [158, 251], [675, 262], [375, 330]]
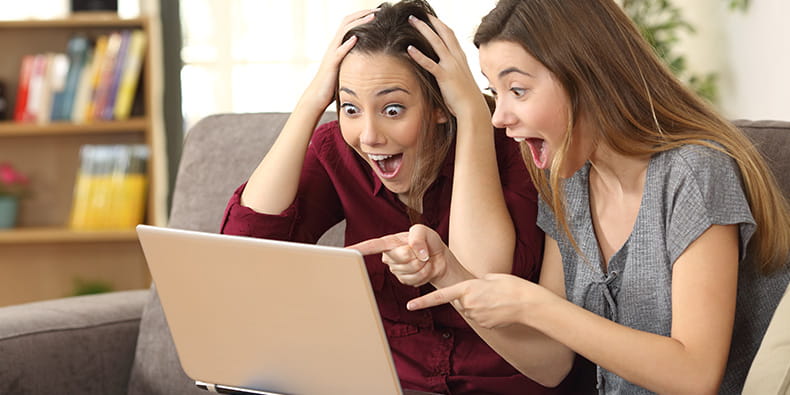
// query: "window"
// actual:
[[259, 55]]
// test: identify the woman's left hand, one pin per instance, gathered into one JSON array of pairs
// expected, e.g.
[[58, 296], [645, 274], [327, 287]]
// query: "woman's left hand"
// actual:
[[496, 300], [458, 86]]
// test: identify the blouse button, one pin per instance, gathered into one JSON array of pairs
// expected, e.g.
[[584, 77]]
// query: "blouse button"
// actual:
[[446, 335]]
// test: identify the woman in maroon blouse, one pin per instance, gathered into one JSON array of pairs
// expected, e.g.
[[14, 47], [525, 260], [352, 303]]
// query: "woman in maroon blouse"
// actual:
[[413, 144]]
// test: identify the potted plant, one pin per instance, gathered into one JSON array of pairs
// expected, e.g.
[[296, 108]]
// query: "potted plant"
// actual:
[[13, 186]]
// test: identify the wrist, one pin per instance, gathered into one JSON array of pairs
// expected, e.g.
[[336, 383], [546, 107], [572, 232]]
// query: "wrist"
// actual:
[[454, 272], [537, 305], [475, 112], [312, 104]]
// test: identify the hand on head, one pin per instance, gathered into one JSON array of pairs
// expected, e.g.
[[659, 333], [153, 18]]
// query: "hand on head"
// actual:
[[458, 86], [323, 84], [416, 257]]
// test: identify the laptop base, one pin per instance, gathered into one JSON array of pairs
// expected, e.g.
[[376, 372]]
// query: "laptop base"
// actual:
[[224, 389]]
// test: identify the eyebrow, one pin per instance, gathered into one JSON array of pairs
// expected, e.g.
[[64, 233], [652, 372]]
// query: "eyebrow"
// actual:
[[511, 70], [382, 92]]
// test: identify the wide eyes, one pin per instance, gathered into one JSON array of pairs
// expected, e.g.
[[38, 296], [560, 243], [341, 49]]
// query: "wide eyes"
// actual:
[[393, 110], [349, 109], [389, 111], [517, 92]]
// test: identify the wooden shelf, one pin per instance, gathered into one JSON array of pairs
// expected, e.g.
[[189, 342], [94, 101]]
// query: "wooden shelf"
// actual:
[[41, 257], [75, 22], [69, 128], [64, 235]]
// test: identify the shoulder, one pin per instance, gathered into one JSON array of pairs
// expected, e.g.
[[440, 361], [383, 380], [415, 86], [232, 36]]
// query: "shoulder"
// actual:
[[508, 151], [327, 138], [504, 143], [327, 131], [700, 159], [705, 167]]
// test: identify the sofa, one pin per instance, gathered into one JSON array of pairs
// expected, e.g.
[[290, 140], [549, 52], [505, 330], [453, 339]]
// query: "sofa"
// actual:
[[119, 342]]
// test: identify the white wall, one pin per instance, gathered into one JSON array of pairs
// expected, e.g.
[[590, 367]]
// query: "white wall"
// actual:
[[750, 51]]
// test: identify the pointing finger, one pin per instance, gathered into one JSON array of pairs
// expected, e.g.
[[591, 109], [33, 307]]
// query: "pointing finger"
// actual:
[[438, 297], [381, 244]]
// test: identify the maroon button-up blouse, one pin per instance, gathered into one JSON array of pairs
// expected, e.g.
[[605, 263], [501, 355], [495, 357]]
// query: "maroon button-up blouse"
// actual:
[[434, 350]]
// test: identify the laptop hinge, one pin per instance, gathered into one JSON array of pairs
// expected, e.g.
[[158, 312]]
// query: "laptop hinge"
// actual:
[[206, 386]]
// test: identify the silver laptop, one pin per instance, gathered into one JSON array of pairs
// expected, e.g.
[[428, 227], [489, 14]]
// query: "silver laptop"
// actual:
[[269, 317]]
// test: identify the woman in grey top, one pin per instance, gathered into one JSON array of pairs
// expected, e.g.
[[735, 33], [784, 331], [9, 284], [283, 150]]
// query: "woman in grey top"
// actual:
[[651, 204]]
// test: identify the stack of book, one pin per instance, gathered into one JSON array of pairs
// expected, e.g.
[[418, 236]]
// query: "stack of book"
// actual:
[[110, 188], [93, 80]]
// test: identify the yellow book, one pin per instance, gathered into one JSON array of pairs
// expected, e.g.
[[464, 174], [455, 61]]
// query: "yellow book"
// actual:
[[130, 75], [85, 188], [111, 187], [82, 185]]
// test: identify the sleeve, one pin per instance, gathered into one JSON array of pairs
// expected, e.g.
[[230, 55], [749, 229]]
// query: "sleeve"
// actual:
[[315, 209], [521, 199], [704, 189], [547, 222]]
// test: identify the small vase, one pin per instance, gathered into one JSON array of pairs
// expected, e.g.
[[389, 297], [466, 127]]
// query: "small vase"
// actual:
[[8, 210]]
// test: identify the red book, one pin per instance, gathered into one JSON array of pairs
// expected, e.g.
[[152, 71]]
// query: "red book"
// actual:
[[22, 90]]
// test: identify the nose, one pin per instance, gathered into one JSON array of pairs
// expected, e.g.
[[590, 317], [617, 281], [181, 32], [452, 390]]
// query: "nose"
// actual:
[[370, 135], [502, 117]]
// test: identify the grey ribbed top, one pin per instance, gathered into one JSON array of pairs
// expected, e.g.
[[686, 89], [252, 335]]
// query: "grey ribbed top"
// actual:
[[687, 190]]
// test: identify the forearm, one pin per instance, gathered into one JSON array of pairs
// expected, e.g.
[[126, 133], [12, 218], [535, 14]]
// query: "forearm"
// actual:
[[481, 230], [531, 352], [273, 185], [659, 363]]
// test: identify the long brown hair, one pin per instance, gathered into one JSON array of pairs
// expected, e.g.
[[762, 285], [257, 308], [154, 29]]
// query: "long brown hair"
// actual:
[[633, 102], [390, 34]]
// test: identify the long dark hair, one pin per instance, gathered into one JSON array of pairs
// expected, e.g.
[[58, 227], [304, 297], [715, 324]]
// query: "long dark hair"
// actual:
[[390, 34], [633, 102]]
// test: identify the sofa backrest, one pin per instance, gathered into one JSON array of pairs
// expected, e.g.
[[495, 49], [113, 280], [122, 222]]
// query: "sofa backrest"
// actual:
[[221, 151], [219, 154], [772, 138]]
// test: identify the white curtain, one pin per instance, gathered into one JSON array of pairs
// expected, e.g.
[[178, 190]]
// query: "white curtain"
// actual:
[[259, 55]]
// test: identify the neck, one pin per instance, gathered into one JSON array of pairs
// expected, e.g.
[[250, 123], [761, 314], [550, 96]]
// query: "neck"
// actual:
[[615, 172]]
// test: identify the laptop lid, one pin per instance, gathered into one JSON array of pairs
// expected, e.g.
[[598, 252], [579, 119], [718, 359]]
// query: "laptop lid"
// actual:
[[270, 316]]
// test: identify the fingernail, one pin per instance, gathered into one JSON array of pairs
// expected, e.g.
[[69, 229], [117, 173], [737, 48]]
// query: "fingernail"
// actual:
[[410, 306], [422, 255], [412, 18]]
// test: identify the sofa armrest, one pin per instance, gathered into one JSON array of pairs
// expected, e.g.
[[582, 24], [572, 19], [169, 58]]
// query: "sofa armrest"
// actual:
[[77, 345]]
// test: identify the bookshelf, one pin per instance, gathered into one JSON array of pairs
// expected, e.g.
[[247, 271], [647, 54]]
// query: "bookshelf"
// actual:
[[42, 258]]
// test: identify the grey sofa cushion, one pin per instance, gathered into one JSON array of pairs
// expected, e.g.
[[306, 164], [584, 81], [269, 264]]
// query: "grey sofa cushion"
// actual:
[[40, 339], [220, 152]]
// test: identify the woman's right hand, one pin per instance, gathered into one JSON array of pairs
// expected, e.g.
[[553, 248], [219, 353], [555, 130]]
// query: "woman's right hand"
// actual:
[[323, 86], [416, 257]]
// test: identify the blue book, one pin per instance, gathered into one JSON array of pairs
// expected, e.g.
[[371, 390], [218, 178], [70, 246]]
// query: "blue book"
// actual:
[[77, 51]]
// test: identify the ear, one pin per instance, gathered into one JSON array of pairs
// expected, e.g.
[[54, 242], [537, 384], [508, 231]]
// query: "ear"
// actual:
[[439, 115]]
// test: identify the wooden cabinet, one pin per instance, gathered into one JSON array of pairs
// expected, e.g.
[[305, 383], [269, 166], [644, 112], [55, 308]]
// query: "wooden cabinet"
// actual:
[[42, 258]]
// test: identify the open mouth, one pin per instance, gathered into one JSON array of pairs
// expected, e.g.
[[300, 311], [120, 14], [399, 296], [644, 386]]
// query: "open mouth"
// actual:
[[387, 165], [538, 148]]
